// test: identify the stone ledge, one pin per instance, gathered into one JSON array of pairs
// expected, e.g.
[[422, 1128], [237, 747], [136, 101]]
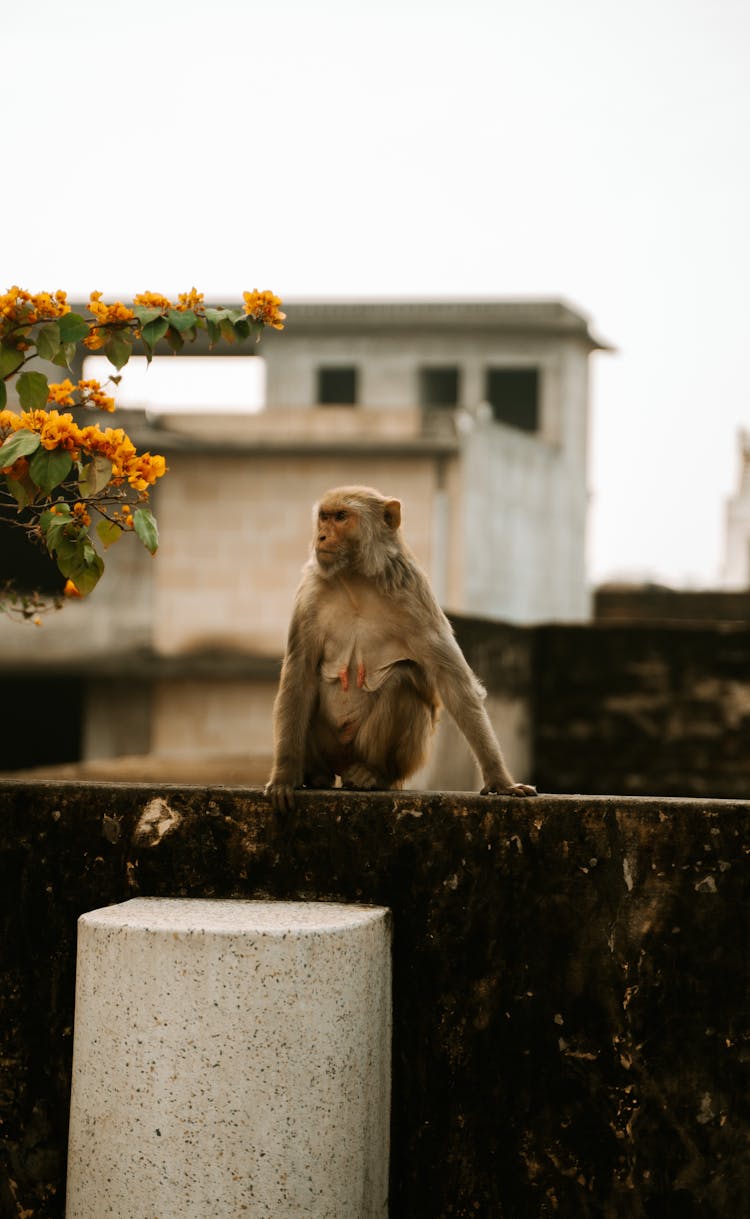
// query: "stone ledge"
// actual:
[[570, 978]]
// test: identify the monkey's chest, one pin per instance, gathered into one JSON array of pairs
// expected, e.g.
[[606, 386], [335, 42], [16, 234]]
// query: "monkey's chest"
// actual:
[[358, 658]]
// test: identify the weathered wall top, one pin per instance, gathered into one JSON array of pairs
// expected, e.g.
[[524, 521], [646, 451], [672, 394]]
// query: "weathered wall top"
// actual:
[[570, 979]]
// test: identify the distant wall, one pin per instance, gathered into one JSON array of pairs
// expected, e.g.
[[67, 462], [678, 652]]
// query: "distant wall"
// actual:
[[642, 709], [649, 603], [570, 980]]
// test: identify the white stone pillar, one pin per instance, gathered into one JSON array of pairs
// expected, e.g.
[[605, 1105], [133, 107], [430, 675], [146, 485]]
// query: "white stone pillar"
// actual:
[[231, 1059]]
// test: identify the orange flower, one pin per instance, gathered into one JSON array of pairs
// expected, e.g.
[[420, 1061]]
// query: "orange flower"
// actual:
[[264, 307], [152, 300], [23, 308], [108, 315], [192, 300], [60, 391], [81, 515], [51, 307], [94, 341], [92, 394], [60, 432], [33, 421], [9, 421]]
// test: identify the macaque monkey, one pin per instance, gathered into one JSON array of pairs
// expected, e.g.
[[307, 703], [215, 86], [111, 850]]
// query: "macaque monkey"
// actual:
[[369, 660]]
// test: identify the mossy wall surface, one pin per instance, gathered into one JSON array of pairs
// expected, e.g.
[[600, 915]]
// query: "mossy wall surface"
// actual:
[[571, 1008]]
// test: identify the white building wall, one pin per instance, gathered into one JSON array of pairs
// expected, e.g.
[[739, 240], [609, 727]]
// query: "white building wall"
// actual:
[[525, 504], [514, 507]]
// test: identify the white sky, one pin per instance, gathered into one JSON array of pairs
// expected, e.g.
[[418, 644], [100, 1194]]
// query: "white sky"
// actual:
[[593, 150]]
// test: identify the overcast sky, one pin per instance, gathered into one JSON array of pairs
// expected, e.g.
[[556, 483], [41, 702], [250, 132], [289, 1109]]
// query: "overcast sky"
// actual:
[[594, 151]]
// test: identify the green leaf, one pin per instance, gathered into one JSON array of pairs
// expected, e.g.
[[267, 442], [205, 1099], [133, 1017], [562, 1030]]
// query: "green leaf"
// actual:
[[32, 391], [48, 341], [119, 348], [10, 360], [216, 316], [175, 339], [50, 520], [66, 355], [3, 395], [108, 532], [49, 467], [154, 331], [242, 328], [227, 330], [145, 316], [214, 333], [145, 526], [73, 328], [19, 444], [56, 526], [88, 576], [95, 476], [79, 562], [182, 319], [22, 489]]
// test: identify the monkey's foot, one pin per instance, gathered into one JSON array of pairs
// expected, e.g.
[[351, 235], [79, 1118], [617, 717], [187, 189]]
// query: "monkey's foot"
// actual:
[[515, 789], [360, 778], [319, 780]]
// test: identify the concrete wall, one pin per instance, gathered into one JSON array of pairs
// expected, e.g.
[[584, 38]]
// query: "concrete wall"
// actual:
[[570, 980], [520, 503], [642, 708], [640, 603], [236, 533]]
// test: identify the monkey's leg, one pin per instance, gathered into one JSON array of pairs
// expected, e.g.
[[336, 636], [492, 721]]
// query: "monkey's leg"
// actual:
[[392, 742], [321, 755]]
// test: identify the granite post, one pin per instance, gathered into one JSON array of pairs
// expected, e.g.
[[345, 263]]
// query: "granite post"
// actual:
[[231, 1058]]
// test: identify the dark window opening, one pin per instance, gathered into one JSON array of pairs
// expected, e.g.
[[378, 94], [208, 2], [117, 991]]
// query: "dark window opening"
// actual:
[[60, 701], [438, 387], [337, 386], [25, 565], [513, 394]]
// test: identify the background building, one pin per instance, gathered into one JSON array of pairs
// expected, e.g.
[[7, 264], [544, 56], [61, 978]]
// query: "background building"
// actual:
[[736, 573], [474, 414]]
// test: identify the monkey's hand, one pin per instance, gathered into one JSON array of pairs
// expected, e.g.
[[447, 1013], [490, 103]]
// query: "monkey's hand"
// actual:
[[504, 789], [281, 794]]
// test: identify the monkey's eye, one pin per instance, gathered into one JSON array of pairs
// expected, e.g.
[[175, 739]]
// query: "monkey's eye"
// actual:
[[340, 516]]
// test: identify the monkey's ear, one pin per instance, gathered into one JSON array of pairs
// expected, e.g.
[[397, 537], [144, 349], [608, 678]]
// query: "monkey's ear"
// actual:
[[392, 514]]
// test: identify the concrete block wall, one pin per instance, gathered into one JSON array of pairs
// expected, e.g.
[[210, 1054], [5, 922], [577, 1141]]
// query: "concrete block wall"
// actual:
[[642, 708], [235, 537], [570, 980]]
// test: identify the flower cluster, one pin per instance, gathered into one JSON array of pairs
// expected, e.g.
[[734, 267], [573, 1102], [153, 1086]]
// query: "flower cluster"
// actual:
[[20, 308], [90, 394], [152, 300], [116, 314], [55, 474], [139, 470], [9, 421], [60, 393], [191, 300], [264, 307], [109, 315]]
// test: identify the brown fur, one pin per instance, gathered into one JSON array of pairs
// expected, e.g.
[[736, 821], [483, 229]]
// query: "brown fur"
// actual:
[[370, 656]]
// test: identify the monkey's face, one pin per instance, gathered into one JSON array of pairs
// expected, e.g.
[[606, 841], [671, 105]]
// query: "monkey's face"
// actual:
[[336, 533]]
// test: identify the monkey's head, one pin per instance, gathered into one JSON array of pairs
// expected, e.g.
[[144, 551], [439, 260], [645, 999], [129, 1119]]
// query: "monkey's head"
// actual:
[[356, 529]]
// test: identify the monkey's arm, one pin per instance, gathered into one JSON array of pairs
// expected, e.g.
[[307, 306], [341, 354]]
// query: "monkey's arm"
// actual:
[[463, 696], [292, 713]]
